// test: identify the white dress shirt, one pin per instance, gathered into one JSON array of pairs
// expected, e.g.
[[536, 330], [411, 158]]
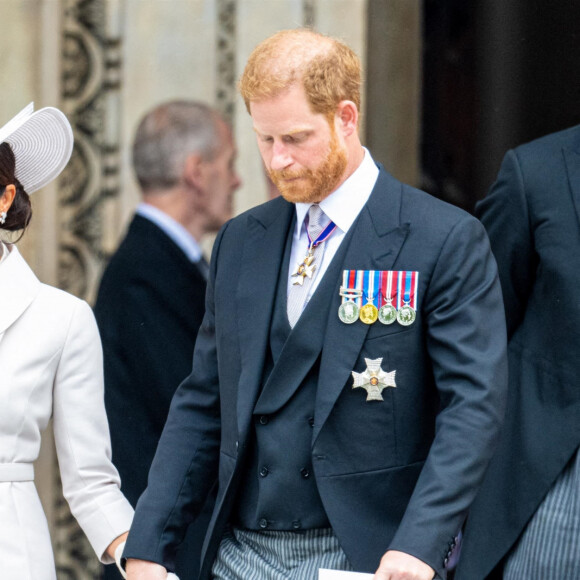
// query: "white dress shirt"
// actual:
[[173, 229], [341, 207]]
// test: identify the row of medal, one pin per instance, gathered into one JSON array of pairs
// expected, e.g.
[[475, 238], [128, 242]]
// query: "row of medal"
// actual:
[[383, 295]]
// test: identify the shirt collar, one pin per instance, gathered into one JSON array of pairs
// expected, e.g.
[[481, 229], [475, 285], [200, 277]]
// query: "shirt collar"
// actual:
[[173, 229], [344, 204]]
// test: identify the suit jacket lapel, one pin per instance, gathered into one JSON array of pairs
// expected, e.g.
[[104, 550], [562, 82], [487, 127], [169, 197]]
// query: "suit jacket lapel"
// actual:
[[303, 345], [376, 241], [572, 158], [263, 249]]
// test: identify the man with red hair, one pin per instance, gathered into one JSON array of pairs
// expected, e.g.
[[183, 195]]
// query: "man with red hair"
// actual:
[[349, 378]]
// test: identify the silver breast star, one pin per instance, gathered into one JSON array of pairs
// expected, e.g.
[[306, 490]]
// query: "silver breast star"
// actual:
[[374, 379]]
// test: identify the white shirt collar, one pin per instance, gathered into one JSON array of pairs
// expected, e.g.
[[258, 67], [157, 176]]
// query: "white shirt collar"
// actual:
[[344, 204], [173, 229]]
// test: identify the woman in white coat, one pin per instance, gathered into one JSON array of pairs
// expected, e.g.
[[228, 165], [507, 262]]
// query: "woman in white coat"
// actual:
[[50, 366]]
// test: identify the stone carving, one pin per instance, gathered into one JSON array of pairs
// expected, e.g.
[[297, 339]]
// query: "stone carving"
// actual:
[[226, 58], [91, 62]]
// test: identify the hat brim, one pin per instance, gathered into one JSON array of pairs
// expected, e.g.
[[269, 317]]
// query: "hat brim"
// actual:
[[42, 143]]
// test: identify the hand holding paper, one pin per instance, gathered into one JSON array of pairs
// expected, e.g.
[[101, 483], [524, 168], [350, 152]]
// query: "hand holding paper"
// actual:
[[399, 565]]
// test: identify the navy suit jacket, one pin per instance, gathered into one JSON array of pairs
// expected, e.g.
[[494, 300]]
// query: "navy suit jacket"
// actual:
[[532, 215], [149, 308], [393, 474]]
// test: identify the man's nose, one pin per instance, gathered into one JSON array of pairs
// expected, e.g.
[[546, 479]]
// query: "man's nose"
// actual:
[[280, 157]]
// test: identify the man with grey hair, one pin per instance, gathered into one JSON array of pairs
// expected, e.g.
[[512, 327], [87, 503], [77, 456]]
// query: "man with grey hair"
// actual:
[[151, 299]]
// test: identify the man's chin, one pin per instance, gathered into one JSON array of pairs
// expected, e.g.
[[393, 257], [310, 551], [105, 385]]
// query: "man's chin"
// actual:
[[298, 196]]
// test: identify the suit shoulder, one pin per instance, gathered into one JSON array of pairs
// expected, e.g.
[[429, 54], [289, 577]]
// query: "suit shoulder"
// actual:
[[540, 164], [264, 214], [146, 254], [265, 211], [430, 213], [549, 144]]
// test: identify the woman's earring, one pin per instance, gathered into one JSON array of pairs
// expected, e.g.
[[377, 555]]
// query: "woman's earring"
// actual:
[[3, 216]]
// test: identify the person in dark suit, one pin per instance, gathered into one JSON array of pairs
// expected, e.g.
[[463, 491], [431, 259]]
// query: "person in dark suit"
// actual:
[[340, 441], [525, 522], [150, 302]]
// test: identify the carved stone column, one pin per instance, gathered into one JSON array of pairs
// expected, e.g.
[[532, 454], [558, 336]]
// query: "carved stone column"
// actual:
[[87, 192]]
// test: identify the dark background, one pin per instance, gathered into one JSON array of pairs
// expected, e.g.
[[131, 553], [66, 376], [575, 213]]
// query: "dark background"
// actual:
[[496, 73]]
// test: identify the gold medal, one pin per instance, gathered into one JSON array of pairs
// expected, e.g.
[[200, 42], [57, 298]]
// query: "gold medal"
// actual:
[[369, 313]]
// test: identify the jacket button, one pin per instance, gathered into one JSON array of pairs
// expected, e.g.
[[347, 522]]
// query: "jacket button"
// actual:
[[263, 523], [264, 471], [311, 421], [296, 524], [305, 473], [264, 419]]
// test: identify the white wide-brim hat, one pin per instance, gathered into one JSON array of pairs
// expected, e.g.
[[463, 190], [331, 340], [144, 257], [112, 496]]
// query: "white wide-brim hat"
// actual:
[[42, 142]]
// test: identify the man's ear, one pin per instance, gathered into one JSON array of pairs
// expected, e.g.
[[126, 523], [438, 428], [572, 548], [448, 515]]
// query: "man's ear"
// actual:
[[347, 118], [194, 171]]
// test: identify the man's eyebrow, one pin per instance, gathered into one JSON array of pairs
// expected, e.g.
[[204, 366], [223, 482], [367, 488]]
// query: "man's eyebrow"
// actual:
[[292, 132]]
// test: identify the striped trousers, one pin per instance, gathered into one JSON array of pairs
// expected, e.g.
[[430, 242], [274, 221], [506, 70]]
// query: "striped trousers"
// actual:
[[272, 555], [549, 548]]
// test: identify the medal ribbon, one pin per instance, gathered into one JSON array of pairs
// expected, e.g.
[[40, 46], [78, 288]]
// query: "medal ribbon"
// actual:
[[407, 289], [388, 284], [352, 286], [371, 287], [324, 234], [381, 287]]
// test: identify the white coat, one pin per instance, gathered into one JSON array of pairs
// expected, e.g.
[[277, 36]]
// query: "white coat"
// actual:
[[51, 366]]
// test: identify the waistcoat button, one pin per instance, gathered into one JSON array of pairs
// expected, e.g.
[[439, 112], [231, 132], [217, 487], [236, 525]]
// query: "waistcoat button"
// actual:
[[264, 419], [264, 471], [305, 473]]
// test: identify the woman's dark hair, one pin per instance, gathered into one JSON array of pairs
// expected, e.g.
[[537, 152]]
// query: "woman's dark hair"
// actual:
[[20, 211]]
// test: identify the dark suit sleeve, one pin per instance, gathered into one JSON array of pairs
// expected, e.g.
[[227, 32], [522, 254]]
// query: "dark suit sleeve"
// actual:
[[504, 213], [466, 341], [185, 464]]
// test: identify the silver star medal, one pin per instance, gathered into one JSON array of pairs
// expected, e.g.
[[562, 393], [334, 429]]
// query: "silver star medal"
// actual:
[[374, 379]]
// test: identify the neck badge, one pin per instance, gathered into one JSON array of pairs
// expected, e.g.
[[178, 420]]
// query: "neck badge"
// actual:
[[374, 379], [305, 269]]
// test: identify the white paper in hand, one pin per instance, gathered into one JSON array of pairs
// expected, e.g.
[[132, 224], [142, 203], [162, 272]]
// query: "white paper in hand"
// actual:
[[324, 574]]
